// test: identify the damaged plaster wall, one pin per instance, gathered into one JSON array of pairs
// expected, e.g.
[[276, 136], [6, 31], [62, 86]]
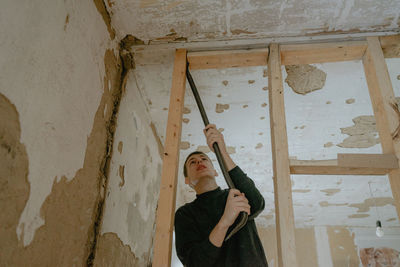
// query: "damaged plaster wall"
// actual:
[[133, 186], [59, 82]]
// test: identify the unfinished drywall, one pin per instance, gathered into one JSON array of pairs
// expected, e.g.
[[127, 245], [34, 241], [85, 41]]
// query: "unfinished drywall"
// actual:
[[60, 71], [133, 186]]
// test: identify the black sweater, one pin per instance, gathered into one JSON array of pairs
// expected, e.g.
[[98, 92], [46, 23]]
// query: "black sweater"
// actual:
[[195, 220]]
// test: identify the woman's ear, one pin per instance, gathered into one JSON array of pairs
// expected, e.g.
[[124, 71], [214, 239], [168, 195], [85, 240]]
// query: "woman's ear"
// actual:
[[186, 180]]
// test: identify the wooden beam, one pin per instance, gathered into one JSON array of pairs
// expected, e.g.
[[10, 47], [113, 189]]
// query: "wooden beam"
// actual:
[[385, 111], [331, 167], [390, 45], [378, 161], [166, 202], [227, 59], [282, 184], [322, 52]]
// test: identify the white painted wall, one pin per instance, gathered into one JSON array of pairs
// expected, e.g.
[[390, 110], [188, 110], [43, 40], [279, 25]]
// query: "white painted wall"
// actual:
[[130, 209], [53, 73]]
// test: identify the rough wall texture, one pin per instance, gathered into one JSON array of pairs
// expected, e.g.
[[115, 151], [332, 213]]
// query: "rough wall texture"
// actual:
[[112, 252], [215, 20], [14, 186], [304, 79], [69, 211], [60, 82], [133, 186]]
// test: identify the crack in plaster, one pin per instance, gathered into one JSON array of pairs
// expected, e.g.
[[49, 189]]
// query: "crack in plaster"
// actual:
[[111, 126]]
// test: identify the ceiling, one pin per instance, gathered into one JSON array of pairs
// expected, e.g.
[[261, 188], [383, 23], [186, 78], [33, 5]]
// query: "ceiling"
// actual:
[[156, 21], [237, 101]]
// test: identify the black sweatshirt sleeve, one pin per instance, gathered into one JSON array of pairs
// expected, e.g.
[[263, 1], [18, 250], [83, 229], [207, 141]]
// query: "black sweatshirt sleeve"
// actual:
[[245, 185], [192, 249]]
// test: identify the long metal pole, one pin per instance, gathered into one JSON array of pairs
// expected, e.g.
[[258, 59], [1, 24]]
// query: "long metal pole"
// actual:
[[242, 218]]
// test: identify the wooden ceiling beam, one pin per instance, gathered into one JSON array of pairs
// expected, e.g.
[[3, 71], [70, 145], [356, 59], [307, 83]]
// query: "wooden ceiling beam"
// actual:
[[322, 52], [347, 164], [227, 59]]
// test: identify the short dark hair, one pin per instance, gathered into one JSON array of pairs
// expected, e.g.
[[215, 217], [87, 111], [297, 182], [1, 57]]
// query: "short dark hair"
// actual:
[[191, 154]]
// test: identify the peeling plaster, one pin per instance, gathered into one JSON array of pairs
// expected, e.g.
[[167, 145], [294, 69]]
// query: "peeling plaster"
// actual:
[[361, 134], [66, 84], [329, 144], [130, 210], [219, 108], [331, 192], [120, 146], [357, 216], [304, 79], [372, 202], [185, 145]]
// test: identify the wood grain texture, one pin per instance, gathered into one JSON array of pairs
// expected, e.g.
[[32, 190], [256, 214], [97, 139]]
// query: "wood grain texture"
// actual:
[[285, 228], [322, 52], [167, 198], [383, 103], [227, 59]]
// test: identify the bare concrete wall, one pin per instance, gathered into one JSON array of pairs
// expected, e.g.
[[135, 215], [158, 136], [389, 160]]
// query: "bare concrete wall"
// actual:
[[133, 187], [60, 79]]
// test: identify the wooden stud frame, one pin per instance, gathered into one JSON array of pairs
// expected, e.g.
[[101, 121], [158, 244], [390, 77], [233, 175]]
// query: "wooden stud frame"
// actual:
[[166, 202], [371, 51]]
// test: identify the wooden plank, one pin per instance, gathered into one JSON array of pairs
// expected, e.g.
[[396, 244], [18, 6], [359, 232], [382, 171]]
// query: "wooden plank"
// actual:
[[322, 52], [282, 184], [390, 45], [383, 103], [166, 202], [227, 59], [378, 161], [331, 167]]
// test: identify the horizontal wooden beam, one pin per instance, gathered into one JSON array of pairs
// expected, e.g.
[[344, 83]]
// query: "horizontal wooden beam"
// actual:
[[390, 45], [227, 59], [331, 167], [380, 161], [322, 52], [292, 54]]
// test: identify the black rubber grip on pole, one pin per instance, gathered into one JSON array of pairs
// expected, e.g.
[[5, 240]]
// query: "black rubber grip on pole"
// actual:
[[243, 216]]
